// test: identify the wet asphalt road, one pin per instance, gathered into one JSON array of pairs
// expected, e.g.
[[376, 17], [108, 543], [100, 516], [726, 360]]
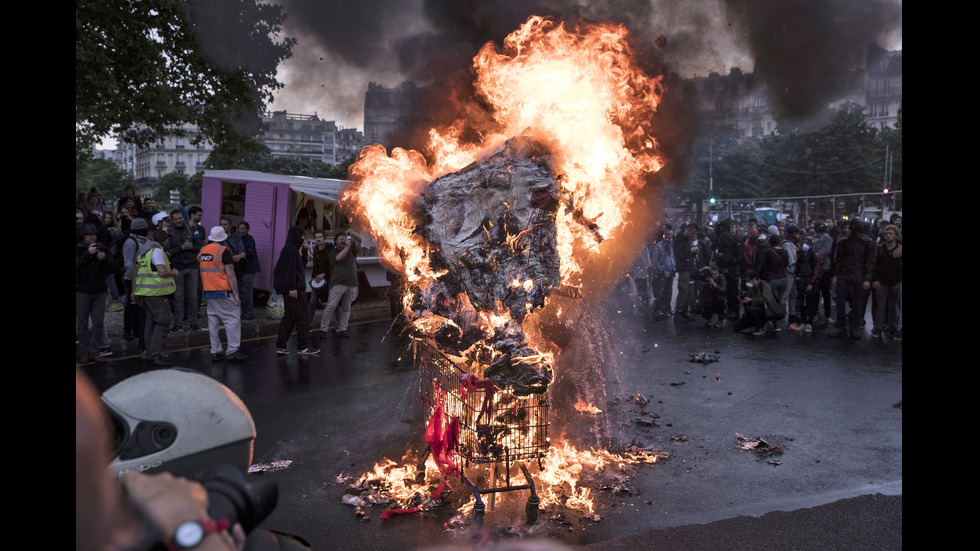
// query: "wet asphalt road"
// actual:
[[832, 406]]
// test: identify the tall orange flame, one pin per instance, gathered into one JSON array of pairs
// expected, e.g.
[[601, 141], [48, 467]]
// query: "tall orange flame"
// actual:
[[581, 92]]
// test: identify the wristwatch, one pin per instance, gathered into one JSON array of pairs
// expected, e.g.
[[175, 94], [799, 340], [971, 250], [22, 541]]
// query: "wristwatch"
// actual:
[[190, 534]]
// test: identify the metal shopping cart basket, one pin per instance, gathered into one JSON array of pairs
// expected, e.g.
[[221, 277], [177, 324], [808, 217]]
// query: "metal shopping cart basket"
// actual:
[[495, 425]]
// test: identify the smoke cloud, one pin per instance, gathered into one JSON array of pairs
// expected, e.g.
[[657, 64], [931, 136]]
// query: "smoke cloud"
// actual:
[[796, 46]]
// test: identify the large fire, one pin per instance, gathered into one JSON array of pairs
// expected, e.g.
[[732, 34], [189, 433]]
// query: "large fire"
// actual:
[[578, 91]]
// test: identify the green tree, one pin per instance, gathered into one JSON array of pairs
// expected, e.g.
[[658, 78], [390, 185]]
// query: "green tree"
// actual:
[[103, 175], [174, 181], [264, 161], [727, 166], [142, 69]]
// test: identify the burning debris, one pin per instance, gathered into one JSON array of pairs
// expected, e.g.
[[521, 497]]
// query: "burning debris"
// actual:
[[757, 445], [586, 407]]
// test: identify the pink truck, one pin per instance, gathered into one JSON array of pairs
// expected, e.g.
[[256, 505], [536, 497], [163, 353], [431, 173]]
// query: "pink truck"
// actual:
[[271, 203]]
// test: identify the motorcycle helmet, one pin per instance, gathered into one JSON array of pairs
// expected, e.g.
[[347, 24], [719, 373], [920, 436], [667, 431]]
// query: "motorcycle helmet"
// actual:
[[179, 421]]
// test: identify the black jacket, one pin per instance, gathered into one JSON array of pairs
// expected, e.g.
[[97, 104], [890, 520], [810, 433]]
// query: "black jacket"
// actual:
[[289, 273], [854, 258], [90, 272]]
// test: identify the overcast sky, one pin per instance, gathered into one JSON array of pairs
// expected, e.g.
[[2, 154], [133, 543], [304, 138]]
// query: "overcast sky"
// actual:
[[345, 44]]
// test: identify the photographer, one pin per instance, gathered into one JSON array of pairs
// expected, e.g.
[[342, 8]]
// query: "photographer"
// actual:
[[92, 264], [137, 512], [343, 282], [759, 304], [714, 288]]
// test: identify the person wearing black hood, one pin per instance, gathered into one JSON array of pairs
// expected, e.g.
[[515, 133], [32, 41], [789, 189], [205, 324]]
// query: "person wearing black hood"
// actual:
[[851, 269], [289, 280], [92, 264]]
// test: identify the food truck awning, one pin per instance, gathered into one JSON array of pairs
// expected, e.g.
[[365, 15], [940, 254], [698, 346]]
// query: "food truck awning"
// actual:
[[325, 189], [318, 190]]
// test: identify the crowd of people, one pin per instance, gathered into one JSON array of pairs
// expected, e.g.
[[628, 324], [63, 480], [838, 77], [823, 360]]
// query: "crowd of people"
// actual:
[[158, 268], [766, 276]]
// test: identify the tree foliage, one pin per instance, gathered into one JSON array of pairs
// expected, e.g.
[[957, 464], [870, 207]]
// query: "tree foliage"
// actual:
[[142, 69], [264, 161], [187, 187], [844, 155], [105, 176]]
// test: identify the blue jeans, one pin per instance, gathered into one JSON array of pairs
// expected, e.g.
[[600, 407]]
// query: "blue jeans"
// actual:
[[245, 282], [89, 307]]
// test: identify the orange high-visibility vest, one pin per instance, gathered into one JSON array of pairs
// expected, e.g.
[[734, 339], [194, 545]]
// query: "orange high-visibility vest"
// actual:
[[213, 275]]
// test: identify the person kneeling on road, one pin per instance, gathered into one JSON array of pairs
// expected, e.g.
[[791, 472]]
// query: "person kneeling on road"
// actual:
[[760, 306]]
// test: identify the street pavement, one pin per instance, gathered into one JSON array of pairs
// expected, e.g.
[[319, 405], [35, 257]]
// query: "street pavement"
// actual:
[[827, 411]]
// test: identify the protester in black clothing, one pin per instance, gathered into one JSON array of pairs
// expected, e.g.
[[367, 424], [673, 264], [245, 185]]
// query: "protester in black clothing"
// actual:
[[686, 253], [887, 281], [711, 299], [92, 264], [851, 270], [321, 272], [729, 259], [289, 280], [807, 285]]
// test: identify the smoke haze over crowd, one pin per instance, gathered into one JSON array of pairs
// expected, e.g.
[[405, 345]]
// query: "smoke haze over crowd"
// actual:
[[794, 45]]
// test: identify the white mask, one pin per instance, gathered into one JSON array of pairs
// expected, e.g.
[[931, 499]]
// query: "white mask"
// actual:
[[806, 247], [749, 284]]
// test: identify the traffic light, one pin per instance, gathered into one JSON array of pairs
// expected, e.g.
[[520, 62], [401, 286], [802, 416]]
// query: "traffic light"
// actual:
[[712, 201], [885, 191]]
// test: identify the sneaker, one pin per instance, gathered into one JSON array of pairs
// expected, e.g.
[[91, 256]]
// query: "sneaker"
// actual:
[[720, 322], [115, 307], [177, 328], [794, 326], [217, 357], [760, 331], [876, 333], [807, 328], [310, 351], [236, 356], [344, 334], [159, 362], [195, 327], [282, 351], [105, 352]]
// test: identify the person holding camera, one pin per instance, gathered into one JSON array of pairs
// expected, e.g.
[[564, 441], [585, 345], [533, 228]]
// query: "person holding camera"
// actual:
[[93, 264], [135, 512], [343, 282], [712, 298], [759, 305]]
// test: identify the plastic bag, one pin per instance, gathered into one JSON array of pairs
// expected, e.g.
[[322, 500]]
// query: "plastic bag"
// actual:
[[276, 307]]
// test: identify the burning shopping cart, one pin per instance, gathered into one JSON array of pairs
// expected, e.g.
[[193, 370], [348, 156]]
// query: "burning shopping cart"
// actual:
[[479, 420]]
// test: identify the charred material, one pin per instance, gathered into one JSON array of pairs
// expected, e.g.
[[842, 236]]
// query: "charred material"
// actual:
[[492, 235], [492, 227]]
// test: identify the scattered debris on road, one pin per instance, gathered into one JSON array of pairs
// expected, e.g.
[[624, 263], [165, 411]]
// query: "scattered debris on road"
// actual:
[[704, 357], [759, 446], [269, 467]]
